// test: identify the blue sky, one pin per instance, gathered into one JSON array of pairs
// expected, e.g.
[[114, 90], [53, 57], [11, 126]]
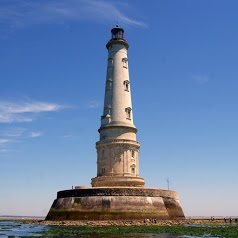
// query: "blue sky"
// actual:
[[184, 81]]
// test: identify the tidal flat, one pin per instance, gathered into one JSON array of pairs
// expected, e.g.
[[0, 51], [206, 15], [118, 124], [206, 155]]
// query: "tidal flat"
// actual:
[[195, 229], [146, 231]]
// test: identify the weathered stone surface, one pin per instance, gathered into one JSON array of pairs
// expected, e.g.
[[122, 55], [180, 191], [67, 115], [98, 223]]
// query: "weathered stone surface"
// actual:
[[118, 191], [115, 204]]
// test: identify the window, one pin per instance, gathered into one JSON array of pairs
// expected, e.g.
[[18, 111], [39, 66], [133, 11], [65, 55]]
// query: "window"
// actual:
[[133, 154], [132, 170], [110, 62], [124, 62], [128, 113], [126, 85], [107, 111], [109, 84], [103, 171]]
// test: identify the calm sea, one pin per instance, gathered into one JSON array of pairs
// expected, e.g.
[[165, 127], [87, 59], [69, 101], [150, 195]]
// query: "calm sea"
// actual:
[[18, 229]]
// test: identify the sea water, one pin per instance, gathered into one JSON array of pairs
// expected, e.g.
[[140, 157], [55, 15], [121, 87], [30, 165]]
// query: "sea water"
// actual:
[[18, 229]]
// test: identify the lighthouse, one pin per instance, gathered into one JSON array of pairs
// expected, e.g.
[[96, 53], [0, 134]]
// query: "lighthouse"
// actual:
[[117, 149], [117, 192]]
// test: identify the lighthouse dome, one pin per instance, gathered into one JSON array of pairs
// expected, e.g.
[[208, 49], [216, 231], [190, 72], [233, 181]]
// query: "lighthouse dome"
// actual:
[[117, 32]]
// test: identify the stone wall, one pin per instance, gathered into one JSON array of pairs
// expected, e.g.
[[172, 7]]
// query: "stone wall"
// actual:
[[117, 157], [115, 204]]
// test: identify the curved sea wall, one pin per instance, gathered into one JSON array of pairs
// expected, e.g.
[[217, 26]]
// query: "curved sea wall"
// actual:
[[117, 203]]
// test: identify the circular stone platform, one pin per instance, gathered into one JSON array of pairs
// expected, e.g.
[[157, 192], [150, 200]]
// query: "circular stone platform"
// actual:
[[117, 203]]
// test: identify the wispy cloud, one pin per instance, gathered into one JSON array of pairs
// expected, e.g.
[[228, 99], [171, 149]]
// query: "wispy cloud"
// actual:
[[15, 14], [24, 111], [13, 135], [9, 136], [201, 79], [35, 134], [3, 141], [12, 114], [67, 136], [93, 104], [4, 144], [13, 132]]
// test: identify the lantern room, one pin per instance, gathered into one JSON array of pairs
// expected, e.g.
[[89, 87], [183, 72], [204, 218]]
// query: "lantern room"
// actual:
[[117, 32]]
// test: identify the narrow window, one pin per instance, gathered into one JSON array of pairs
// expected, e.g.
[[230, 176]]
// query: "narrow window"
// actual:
[[126, 85], [103, 171], [110, 62], [133, 154], [108, 85], [132, 170], [128, 113], [107, 111], [124, 62]]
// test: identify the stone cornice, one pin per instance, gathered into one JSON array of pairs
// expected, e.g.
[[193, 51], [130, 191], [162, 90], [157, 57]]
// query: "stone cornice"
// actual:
[[117, 41], [116, 142], [117, 126], [118, 191]]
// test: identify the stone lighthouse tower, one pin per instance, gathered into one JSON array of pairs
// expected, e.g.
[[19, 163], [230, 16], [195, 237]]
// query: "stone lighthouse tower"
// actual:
[[117, 149], [117, 192]]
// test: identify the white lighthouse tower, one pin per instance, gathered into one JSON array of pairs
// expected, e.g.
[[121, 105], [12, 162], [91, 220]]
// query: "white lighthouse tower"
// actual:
[[117, 149]]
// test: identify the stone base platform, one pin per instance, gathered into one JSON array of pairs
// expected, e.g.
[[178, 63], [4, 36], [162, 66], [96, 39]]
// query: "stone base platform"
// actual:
[[115, 203]]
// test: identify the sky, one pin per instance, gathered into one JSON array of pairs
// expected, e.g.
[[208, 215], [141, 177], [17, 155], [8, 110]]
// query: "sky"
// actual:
[[184, 82]]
